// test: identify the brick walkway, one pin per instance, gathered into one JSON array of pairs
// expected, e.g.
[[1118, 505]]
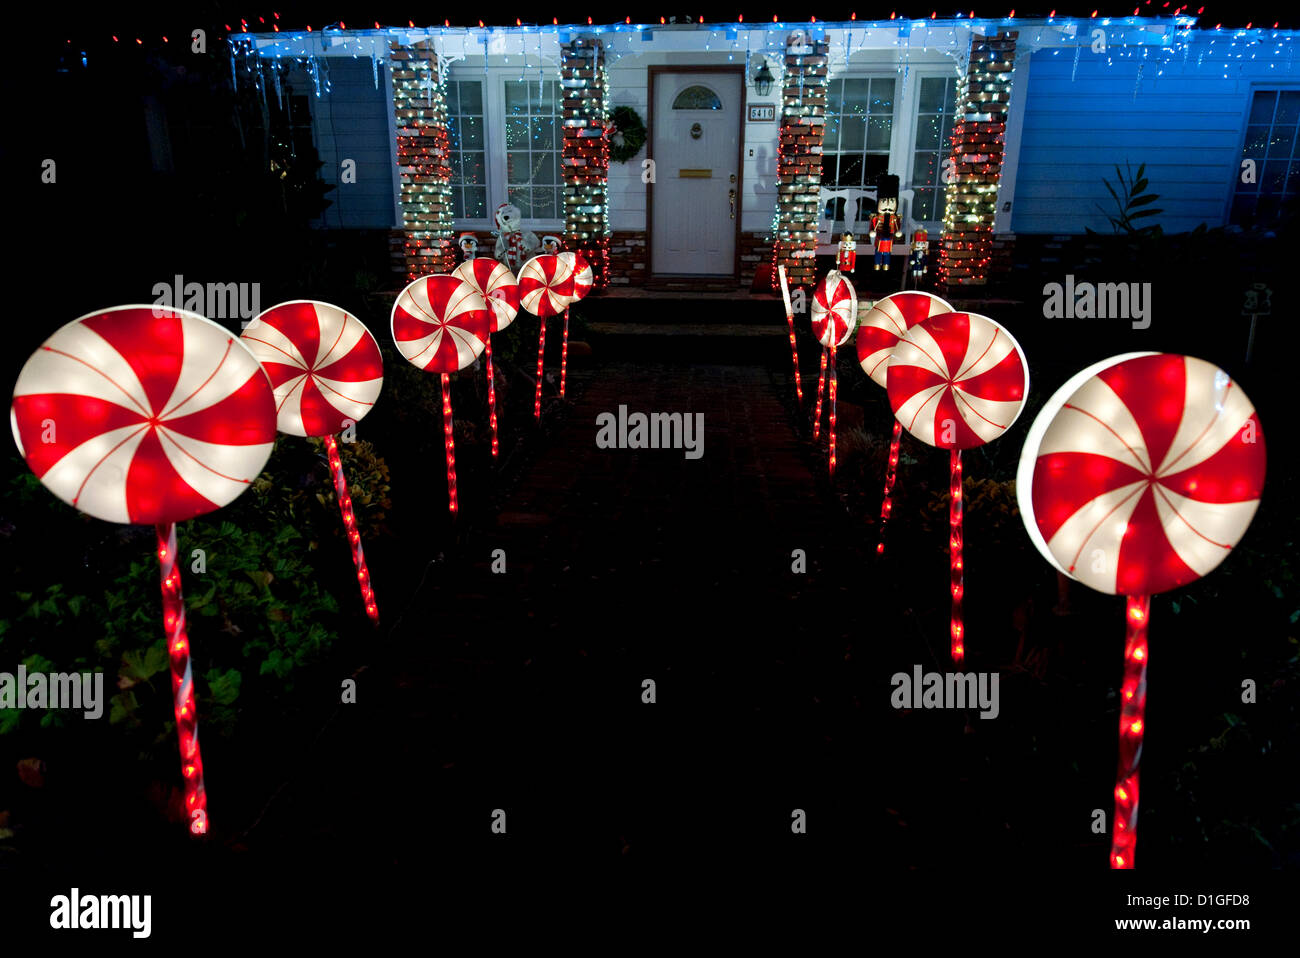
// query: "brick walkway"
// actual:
[[522, 691]]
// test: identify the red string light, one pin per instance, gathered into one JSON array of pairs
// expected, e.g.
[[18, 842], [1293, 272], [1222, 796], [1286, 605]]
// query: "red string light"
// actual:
[[541, 355], [1133, 700], [492, 399], [833, 381], [178, 645], [449, 442], [564, 353], [891, 473], [821, 386], [954, 552], [350, 527]]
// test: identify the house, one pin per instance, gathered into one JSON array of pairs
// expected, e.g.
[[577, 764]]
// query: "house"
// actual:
[[762, 142]]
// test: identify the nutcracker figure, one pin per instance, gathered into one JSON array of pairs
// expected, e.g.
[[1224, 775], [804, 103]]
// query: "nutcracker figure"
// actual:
[[848, 255], [920, 250], [468, 245], [551, 245], [885, 224]]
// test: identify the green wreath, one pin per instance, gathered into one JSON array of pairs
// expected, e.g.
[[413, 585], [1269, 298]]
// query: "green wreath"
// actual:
[[627, 124]]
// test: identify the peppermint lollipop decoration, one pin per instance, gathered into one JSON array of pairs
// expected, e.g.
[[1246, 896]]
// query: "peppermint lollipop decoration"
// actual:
[[545, 289], [148, 415], [834, 314], [1140, 475], [583, 280], [879, 332], [956, 381], [326, 370], [441, 324], [499, 287]]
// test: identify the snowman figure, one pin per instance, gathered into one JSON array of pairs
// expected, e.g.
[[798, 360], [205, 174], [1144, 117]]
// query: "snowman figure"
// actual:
[[514, 244]]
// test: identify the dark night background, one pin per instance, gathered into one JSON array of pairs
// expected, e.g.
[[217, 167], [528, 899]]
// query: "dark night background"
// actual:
[[522, 691]]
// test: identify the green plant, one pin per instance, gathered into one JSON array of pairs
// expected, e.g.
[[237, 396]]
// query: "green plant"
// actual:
[[630, 129], [1134, 204]]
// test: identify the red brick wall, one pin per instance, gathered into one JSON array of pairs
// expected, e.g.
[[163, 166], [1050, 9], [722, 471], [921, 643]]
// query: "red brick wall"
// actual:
[[799, 162], [755, 248], [627, 258]]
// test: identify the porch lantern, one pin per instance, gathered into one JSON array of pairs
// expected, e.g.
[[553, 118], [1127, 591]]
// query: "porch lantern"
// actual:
[[763, 80]]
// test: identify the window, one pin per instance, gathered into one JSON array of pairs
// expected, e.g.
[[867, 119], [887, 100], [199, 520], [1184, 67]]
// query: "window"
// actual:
[[697, 98], [1270, 143], [533, 146], [468, 150], [936, 104], [859, 123]]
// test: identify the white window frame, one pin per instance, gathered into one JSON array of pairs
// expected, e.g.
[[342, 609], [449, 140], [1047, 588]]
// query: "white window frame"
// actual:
[[494, 135]]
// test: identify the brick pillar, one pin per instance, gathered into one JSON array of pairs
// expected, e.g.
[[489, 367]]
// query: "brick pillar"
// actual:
[[799, 161], [586, 152], [966, 249], [423, 159]]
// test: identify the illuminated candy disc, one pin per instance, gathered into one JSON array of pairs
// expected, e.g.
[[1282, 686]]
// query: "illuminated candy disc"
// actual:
[[957, 380], [580, 270], [1142, 473], [441, 323], [886, 323], [144, 414], [323, 363], [496, 284], [546, 285], [834, 309]]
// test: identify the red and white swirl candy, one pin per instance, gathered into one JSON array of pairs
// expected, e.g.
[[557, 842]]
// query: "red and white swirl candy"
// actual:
[[496, 284], [144, 414], [441, 323], [885, 324], [580, 270], [957, 380], [323, 363], [834, 309], [546, 285], [1142, 473]]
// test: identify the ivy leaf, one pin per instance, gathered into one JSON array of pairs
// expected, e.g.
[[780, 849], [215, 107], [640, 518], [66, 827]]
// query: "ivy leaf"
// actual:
[[140, 665], [224, 686]]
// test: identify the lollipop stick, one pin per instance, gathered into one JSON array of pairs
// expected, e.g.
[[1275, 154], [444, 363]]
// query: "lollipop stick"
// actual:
[[834, 379], [178, 651], [564, 354], [821, 386], [954, 550], [789, 318], [541, 353], [449, 442], [350, 527], [492, 399], [891, 473], [1133, 701]]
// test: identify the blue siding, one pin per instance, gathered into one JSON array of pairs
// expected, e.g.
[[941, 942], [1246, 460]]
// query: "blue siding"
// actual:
[[1186, 126], [351, 122]]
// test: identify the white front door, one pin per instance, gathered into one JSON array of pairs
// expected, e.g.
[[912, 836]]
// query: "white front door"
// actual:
[[696, 147]]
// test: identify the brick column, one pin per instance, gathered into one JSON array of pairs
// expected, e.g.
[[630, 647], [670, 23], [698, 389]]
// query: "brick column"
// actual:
[[966, 249], [799, 162], [423, 159], [586, 152]]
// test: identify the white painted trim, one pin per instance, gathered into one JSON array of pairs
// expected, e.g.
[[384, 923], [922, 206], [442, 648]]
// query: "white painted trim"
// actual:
[[392, 143], [1011, 145]]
